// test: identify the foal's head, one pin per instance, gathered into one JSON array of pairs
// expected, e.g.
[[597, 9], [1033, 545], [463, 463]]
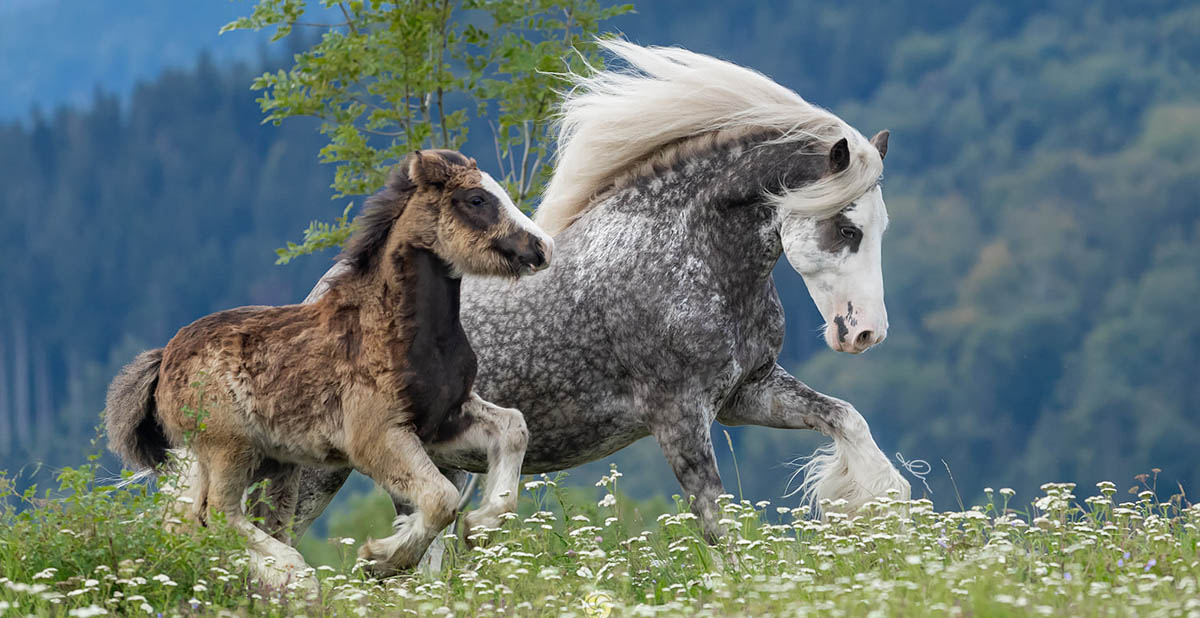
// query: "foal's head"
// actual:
[[441, 201]]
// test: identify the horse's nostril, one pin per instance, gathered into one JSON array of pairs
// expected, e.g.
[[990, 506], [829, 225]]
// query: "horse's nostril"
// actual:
[[864, 338]]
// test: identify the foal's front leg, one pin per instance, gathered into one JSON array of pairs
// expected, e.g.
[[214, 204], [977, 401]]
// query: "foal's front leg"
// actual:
[[393, 456], [502, 434], [852, 468]]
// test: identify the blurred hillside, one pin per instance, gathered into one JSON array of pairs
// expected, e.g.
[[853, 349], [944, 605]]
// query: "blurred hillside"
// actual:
[[1043, 257], [56, 52]]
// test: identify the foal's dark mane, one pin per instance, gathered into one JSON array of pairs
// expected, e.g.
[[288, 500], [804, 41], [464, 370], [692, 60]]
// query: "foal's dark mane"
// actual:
[[372, 227]]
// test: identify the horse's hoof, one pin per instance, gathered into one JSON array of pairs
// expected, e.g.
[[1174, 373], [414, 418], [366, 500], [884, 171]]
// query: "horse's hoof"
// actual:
[[477, 528]]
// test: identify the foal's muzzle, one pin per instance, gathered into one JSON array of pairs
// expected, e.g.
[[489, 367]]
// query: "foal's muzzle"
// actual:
[[528, 252]]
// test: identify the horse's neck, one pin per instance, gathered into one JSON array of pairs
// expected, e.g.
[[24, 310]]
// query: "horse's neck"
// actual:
[[707, 210]]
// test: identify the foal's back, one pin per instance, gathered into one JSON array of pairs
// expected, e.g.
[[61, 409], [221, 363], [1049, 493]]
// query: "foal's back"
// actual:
[[273, 376]]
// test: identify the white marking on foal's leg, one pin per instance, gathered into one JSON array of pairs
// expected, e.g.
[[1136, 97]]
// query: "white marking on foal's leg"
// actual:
[[850, 472], [431, 562], [396, 459], [404, 547], [272, 562]]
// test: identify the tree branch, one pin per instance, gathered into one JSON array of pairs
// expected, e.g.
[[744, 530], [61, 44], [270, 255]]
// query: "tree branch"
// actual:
[[349, 21], [441, 59], [496, 143]]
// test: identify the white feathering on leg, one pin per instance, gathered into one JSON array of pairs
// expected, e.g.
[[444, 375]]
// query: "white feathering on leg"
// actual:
[[852, 468]]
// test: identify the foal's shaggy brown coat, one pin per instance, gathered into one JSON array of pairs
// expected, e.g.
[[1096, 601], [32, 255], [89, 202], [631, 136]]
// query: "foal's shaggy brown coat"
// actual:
[[372, 375]]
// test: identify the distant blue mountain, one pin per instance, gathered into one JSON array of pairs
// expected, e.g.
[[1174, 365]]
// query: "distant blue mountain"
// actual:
[[56, 52]]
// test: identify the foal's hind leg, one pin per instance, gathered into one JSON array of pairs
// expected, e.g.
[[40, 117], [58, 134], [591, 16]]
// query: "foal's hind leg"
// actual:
[[188, 483], [500, 432], [275, 563], [394, 457]]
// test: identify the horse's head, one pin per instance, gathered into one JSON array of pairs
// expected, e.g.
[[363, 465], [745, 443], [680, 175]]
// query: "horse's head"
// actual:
[[840, 258], [470, 221]]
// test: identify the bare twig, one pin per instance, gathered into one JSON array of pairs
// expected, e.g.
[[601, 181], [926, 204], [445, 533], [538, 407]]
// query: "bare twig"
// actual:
[[524, 156], [496, 142], [567, 26], [349, 20], [357, 99], [316, 25], [441, 59], [537, 164], [385, 133]]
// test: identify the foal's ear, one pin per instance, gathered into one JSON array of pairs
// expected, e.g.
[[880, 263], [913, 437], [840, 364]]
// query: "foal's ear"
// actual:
[[880, 142], [428, 168], [839, 156]]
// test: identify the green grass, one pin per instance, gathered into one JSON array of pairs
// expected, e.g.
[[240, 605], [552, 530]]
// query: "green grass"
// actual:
[[89, 548]]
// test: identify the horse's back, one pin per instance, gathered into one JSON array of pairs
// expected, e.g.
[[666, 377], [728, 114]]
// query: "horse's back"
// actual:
[[591, 349]]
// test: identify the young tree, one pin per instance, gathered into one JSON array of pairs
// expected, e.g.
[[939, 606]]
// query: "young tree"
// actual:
[[387, 78]]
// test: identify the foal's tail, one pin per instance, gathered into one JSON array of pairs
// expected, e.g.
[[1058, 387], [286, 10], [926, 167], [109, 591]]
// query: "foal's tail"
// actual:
[[130, 414]]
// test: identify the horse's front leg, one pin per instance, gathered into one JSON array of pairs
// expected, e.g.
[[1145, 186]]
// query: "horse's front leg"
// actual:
[[502, 434], [684, 435], [852, 468]]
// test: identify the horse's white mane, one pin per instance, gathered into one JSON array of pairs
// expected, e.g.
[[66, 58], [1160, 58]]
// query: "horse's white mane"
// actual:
[[614, 119]]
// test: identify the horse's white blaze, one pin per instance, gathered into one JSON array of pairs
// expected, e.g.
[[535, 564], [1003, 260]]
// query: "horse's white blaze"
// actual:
[[846, 286], [514, 214]]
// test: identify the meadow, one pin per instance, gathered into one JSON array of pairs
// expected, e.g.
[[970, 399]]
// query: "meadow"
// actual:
[[88, 548]]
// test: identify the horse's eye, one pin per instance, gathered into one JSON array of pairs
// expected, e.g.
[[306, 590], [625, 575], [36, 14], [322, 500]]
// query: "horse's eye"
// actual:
[[849, 233], [476, 201]]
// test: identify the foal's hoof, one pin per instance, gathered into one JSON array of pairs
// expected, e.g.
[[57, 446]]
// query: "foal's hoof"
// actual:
[[287, 572], [380, 563]]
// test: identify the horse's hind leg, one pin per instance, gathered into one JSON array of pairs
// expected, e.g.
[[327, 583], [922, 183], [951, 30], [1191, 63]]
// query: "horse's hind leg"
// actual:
[[273, 505], [275, 563], [394, 457], [502, 434], [317, 487]]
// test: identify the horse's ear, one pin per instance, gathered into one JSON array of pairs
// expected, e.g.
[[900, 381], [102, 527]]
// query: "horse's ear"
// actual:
[[839, 156], [427, 168], [880, 142]]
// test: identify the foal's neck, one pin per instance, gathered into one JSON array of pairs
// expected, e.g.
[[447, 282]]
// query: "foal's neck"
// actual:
[[412, 287]]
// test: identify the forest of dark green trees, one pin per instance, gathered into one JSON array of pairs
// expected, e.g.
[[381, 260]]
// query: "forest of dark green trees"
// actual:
[[1042, 266]]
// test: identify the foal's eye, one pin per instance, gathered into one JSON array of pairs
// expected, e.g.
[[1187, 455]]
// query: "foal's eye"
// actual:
[[476, 201], [849, 233]]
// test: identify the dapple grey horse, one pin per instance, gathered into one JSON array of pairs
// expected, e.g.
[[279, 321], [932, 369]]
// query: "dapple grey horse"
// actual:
[[679, 181]]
